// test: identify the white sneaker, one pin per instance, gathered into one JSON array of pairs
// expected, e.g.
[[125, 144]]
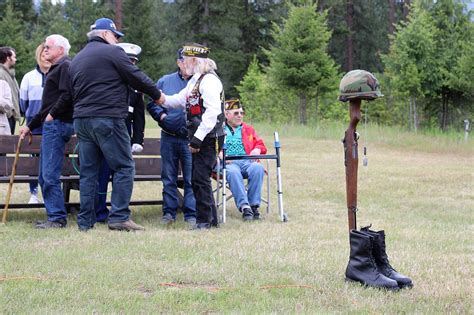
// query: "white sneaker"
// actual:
[[34, 199]]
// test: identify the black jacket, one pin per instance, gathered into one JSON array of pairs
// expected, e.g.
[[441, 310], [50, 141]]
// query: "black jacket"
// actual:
[[101, 74], [136, 119], [56, 98]]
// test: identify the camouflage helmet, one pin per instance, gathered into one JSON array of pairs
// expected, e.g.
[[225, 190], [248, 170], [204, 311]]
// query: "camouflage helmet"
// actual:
[[359, 84]]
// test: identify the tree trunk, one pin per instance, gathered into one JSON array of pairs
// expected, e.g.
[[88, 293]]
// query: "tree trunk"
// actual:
[[444, 112], [406, 9], [349, 41], [303, 108], [415, 117], [391, 16], [118, 14], [205, 25], [410, 111], [316, 113]]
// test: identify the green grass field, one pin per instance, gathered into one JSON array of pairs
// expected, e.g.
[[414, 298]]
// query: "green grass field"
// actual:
[[417, 187]]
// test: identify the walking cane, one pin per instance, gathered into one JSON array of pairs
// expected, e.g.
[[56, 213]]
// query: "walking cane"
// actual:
[[12, 177]]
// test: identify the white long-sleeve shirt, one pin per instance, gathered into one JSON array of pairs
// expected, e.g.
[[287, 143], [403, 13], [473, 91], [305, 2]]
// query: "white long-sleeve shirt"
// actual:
[[210, 90]]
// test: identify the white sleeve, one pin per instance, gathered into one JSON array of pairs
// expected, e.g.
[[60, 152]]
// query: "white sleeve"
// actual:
[[177, 100], [210, 89], [6, 103]]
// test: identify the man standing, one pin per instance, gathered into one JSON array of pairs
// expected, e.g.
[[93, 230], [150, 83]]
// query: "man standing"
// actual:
[[7, 73], [242, 139], [136, 129], [101, 74], [174, 147], [56, 116], [203, 99]]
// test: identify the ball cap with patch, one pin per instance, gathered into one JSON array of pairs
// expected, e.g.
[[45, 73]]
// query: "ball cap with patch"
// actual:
[[106, 24], [131, 50], [195, 50], [233, 103]]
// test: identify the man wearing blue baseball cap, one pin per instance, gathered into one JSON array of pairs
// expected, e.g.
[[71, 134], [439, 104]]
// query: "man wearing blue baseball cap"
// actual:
[[101, 74]]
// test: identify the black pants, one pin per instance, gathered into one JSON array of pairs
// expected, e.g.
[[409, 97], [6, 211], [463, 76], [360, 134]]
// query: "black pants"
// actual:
[[203, 162], [12, 122]]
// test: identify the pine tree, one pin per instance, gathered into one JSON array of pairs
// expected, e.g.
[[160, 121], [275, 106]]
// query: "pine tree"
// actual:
[[411, 62], [299, 61], [13, 29]]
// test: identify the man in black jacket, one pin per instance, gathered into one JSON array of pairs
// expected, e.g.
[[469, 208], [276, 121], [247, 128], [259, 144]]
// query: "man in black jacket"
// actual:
[[56, 116], [101, 74]]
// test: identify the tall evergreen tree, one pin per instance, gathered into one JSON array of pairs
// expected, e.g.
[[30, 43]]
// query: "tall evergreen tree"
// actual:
[[137, 19], [13, 32], [411, 63], [454, 35], [299, 59]]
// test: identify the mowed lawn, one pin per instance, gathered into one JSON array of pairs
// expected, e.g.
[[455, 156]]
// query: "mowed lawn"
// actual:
[[418, 188]]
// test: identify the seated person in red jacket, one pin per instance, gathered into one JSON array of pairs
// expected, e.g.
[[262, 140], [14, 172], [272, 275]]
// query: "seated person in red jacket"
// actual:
[[241, 139]]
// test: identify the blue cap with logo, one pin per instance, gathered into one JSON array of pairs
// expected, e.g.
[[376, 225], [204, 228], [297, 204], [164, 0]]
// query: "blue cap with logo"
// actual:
[[180, 54], [106, 24]]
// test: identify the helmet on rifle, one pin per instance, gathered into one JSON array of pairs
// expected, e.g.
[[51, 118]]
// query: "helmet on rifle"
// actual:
[[359, 84]]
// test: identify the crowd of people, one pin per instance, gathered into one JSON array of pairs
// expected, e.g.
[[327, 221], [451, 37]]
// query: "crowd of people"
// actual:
[[99, 97]]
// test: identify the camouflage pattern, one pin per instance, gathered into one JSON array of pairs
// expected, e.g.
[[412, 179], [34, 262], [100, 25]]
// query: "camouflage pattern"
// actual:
[[359, 84]]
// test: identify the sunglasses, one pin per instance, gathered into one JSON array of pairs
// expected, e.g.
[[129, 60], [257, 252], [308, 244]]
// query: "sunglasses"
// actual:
[[240, 112]]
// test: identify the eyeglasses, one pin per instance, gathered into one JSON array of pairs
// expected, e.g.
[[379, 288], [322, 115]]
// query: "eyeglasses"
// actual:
[[45, 47], [240, 112]]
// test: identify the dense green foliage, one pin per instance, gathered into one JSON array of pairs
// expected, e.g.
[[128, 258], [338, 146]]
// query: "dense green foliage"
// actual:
[[284, 58]]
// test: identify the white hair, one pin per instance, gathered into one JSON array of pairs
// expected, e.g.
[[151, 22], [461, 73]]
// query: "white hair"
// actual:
[[60, 41], [95, 33], [203, 65]]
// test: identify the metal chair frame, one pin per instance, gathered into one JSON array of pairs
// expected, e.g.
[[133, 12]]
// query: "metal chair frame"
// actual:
[[221, 179]]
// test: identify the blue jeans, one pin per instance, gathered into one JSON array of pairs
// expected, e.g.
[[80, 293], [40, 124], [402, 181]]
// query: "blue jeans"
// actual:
[[101, 211], [175, 150], [104, 138], [235, 174], [55, 136]]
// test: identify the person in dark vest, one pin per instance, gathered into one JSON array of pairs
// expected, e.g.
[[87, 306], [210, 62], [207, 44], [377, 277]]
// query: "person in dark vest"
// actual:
[[203, 99]]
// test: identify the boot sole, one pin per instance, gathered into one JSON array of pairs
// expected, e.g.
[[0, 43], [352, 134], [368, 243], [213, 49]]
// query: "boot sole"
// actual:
[[393, 289]]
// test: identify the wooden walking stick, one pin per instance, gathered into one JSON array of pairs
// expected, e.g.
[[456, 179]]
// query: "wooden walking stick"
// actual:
[[12, 178]]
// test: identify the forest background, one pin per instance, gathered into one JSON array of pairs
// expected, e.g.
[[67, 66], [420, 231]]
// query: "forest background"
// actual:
[[285, 59]]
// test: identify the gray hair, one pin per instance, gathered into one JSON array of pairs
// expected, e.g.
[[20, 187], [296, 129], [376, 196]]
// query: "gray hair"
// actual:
[[204, 65], [60, 41], [95, 33]]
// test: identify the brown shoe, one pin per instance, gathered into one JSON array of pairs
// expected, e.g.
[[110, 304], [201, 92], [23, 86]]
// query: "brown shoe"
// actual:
[[126, 226]]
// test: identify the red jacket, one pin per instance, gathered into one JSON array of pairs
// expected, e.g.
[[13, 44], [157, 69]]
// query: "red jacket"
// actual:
[[251, 141]]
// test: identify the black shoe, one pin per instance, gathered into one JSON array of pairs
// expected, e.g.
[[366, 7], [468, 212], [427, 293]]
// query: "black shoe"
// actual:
[[201, 226], [247, 214], [51, 224], [191, 221], [381, 259], [167, 219], [256, 214], [362, 268], [126, 226]]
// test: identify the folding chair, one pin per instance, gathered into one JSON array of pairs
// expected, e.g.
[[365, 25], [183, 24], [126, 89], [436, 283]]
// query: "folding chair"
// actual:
[[221, 179]]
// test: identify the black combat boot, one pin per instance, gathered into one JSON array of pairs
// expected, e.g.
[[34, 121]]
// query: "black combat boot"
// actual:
[[361, 267], [381, 259]]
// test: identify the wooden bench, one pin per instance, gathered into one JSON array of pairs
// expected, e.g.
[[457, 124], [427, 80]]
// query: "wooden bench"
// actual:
[[147, 168]]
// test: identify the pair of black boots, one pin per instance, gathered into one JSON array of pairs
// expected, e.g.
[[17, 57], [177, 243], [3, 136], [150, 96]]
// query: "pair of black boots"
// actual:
[[368, 263]]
